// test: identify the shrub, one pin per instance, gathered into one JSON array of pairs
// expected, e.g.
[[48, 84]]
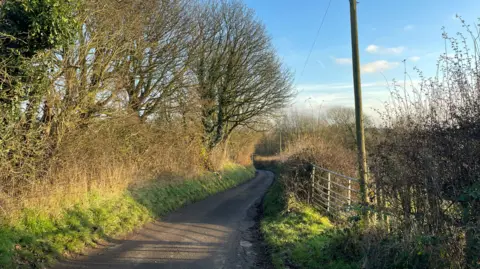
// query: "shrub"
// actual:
[[427, 162]]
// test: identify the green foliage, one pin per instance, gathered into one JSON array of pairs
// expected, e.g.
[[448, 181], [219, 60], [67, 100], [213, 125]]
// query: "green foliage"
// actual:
[[29, 26], [38, 238]]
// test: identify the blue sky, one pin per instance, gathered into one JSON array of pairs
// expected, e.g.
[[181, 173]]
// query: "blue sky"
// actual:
[[389, 32]]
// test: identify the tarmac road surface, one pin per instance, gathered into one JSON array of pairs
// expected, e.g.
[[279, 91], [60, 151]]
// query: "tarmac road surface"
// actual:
[[217, 232]]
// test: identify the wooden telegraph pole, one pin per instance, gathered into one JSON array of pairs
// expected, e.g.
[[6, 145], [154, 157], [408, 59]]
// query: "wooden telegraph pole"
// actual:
[[357, 85]]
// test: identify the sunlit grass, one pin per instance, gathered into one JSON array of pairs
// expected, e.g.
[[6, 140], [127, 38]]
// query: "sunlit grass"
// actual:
[[37, 238], [298, 237]]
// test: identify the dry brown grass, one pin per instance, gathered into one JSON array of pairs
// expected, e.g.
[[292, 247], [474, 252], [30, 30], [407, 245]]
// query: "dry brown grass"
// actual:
[[301, 151], [107, 157], [321, 145], [241, 146], [110, 156], [323, 153]]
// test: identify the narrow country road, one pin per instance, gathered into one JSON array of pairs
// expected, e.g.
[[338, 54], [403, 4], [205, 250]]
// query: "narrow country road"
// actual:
[[214, 233]]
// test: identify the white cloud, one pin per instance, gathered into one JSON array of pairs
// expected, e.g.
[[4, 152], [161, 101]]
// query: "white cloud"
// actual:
[[322, 96], [414, 58], [343, 61], [378, 66], [409, 27], [374, 49]]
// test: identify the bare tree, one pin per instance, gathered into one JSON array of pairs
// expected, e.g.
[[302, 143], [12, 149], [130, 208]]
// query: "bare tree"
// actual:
[[159, 58], [240, 80], [89, 74], [343, 118]]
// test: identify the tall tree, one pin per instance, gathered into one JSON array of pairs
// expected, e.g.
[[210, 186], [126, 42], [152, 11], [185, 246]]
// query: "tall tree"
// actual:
[[88, 74], [159, 59], [239, 76]]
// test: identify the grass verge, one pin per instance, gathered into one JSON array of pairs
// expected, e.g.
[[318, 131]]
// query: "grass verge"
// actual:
[[36, 239], [301, 237]]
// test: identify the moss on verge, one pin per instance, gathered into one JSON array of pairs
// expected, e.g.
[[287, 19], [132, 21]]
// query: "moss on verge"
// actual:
[[301, 237]]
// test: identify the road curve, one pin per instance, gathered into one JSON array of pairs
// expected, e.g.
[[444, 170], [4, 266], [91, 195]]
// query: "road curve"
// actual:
[[212, 233]]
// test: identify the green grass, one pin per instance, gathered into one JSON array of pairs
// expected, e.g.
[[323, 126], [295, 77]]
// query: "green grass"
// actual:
[[302, 238], [38, 238]]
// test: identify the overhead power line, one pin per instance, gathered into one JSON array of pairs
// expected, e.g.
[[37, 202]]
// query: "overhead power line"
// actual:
[[316, 37]]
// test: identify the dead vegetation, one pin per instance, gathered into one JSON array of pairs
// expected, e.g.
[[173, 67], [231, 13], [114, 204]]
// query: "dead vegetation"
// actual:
[[423, 161], [120, 94]]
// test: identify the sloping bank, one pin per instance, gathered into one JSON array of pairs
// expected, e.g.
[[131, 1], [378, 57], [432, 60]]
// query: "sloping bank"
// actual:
[[300, 237], [37, 239]]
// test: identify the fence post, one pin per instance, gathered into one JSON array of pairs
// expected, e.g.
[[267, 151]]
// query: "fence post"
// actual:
[[328, 191], [312, 186], [349, 192]]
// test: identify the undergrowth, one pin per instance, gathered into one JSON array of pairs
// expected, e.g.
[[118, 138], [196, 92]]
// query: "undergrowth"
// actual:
[[300, 237], [36, 238]]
